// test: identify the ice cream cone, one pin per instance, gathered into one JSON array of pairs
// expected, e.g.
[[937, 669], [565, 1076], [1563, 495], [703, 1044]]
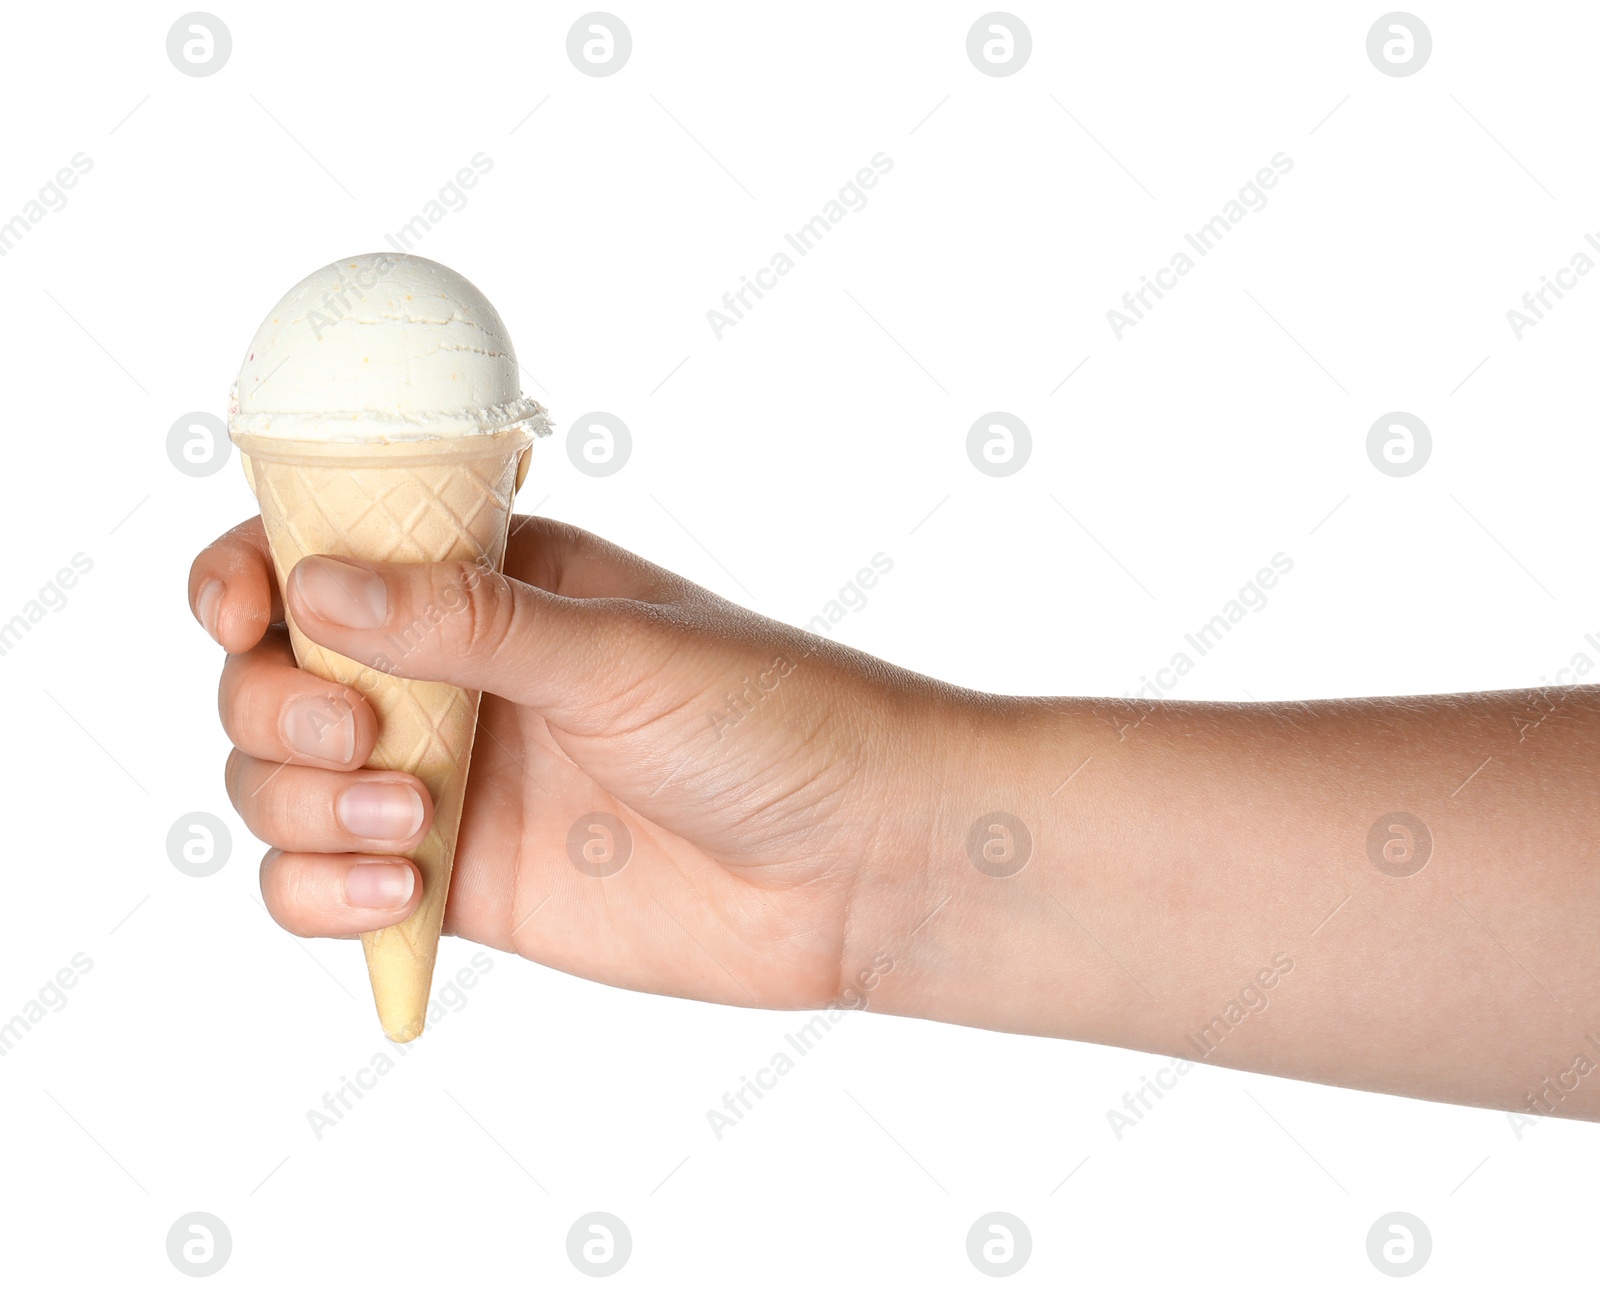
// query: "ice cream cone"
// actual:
[[421, 502], [379, 416]]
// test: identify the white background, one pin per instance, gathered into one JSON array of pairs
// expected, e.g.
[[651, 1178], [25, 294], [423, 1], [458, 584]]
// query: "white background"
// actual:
[[1228, 425]]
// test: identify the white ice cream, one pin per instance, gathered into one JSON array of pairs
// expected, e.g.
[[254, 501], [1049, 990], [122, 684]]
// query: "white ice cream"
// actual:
[[381, 347]]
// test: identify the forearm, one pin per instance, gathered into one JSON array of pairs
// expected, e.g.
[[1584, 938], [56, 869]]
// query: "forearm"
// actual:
[[1210, 882]]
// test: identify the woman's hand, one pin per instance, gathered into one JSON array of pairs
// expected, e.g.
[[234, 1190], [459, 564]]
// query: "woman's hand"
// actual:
[[772, 785]]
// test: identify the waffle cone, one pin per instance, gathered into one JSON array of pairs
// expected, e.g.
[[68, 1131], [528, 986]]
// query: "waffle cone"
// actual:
[[406, 502]]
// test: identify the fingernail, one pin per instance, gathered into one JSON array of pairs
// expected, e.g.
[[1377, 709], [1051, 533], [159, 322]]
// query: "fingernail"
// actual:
[[386, 812], [209, 603], [379, 886], [341, 593], [320, 726]]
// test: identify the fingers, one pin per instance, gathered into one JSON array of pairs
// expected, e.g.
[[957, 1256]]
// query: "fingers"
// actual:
[[303, 808], [482, 631], [338, 895], [274, 711], [233, 592]]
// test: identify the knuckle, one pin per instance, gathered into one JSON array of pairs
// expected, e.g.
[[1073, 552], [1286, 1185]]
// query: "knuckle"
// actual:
[[286, 894], [238, 723], [245, 701], [293, 896], [475, 619], [569, 536], [256, 791]]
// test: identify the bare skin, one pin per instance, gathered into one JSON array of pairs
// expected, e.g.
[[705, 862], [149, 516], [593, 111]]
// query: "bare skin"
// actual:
[[1211, 882]]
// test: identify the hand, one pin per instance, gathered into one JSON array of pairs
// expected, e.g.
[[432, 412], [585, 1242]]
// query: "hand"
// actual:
[[779, 790], [811, 826]]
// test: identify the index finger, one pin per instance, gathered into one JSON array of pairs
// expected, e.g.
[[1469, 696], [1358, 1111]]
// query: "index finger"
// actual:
[[571, 562], [233, 590]]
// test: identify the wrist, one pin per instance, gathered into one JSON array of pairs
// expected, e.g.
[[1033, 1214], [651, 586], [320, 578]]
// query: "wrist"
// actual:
[[955, 917], [998, 916]]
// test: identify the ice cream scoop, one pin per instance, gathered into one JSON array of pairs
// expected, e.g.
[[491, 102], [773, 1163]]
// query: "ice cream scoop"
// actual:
[[381, 347]]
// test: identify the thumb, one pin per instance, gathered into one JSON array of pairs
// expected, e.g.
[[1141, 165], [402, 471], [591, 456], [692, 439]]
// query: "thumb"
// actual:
[[572, 660]]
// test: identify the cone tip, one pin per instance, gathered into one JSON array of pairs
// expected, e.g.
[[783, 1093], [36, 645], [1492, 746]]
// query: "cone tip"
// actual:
[[403, 1032]]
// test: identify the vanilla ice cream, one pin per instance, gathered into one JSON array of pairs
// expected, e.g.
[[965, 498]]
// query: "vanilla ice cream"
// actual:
[[381, 347]]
